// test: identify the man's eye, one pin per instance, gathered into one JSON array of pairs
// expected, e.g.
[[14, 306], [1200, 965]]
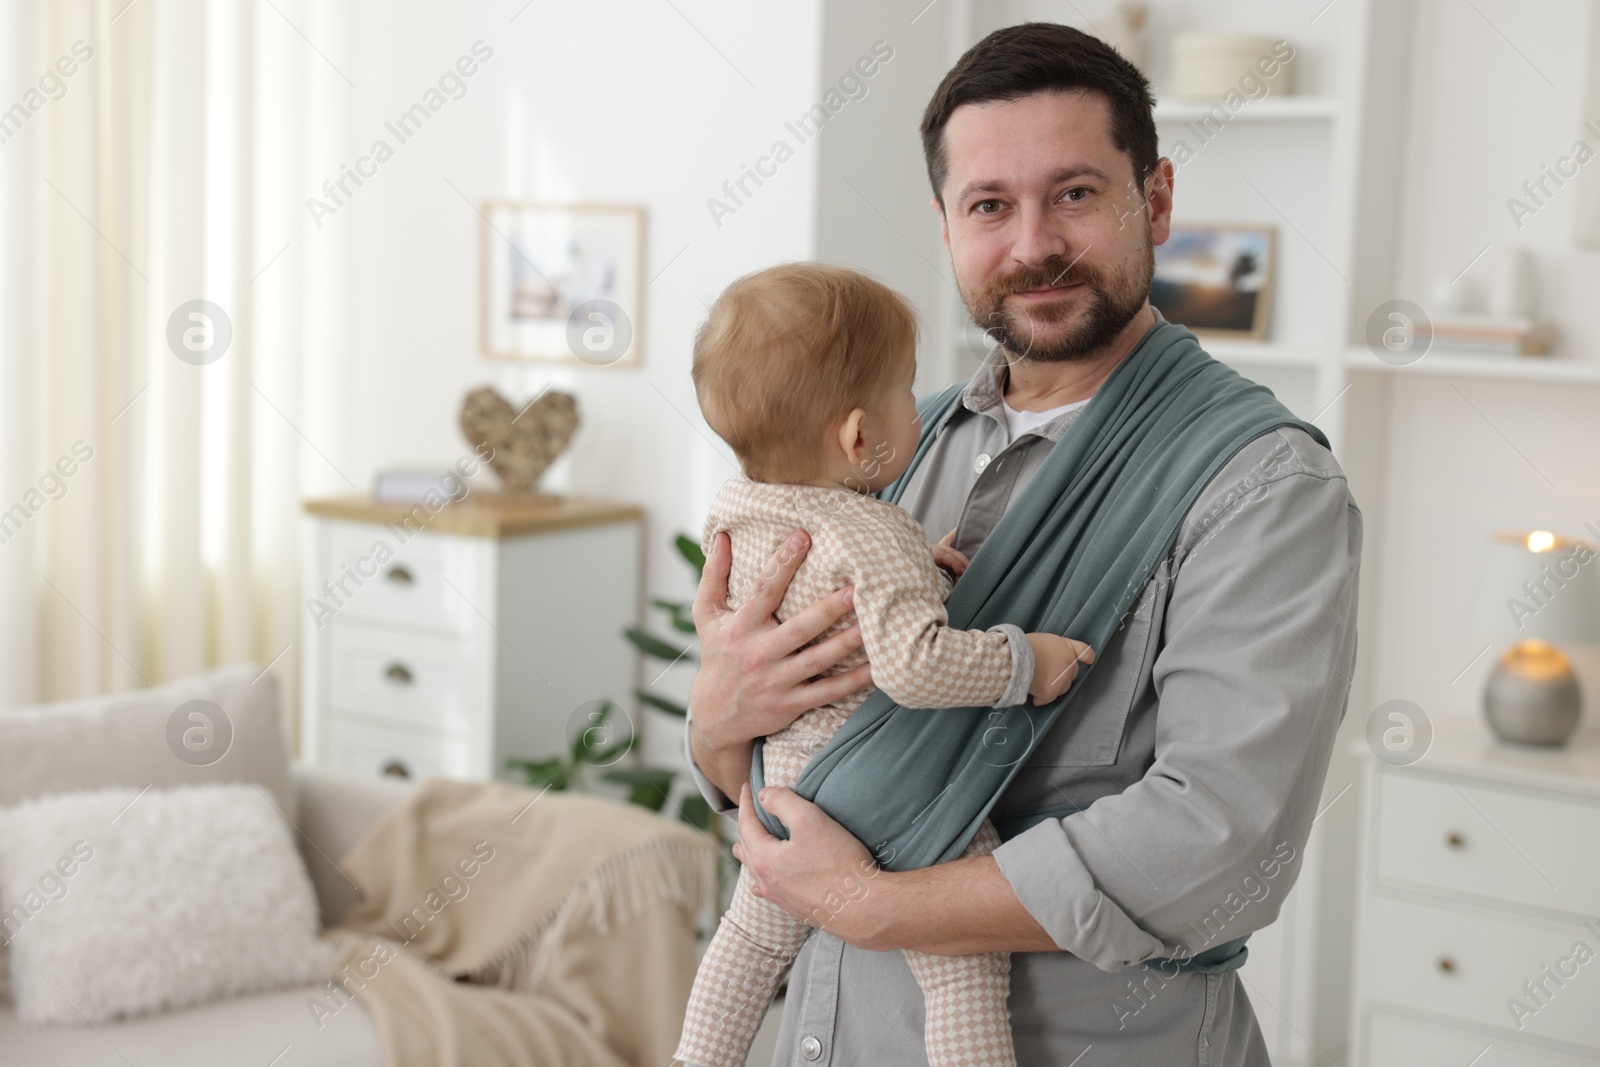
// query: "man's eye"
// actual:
[[1076, 194], [987, 207]]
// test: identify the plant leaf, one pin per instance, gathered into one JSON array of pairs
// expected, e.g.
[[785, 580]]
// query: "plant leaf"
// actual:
[[678, 614], [533, 766], [661, 703], [651, 645], [648, 796], [696, 812], [658, 776], [605, 757], [690, 550], [593, 734], [554, 774], [650, 785]]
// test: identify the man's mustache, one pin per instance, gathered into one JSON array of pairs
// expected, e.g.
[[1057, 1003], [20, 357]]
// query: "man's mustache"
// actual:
[[1044, 276]]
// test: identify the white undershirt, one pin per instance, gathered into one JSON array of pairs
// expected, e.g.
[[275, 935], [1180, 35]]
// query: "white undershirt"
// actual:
[[1020, 422]]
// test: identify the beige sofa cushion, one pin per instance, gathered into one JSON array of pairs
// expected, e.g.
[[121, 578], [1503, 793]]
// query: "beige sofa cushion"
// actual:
[[139, 901], [336, 810], [134, 739], [151, 737]]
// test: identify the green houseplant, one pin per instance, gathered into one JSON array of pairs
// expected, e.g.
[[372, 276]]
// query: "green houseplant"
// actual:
[[594, 750]]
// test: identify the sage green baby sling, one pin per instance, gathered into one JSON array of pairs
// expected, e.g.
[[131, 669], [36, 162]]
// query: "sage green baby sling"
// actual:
[[1069, 557]]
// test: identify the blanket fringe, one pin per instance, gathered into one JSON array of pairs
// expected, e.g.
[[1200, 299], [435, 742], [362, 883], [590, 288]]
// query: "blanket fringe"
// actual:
[[613, 894]]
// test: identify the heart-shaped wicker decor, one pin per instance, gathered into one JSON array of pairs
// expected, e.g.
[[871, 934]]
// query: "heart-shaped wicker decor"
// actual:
[[524, 444]]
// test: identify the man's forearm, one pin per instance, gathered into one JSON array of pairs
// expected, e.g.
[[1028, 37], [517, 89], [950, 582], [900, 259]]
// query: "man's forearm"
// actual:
[[727, 765], [952, 909]]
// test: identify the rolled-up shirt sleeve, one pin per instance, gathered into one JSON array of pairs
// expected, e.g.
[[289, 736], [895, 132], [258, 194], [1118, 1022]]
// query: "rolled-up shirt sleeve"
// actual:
[[715, 797], [1251, 679]]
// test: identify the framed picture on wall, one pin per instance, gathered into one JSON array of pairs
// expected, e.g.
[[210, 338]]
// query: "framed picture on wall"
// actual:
[[1216, 278], [562, 282]]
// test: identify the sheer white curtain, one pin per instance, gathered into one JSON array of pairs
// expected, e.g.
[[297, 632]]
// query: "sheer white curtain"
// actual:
[[160, 152]]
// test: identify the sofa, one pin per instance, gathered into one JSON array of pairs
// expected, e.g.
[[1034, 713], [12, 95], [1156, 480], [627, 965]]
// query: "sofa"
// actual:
[[121, 740], [127, 739]]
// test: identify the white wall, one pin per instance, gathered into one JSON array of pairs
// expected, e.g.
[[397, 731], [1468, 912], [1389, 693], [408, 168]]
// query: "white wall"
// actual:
[[599, 102], [874, 205]]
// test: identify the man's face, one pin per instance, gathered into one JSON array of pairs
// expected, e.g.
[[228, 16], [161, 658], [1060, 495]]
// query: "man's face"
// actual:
[[1050, 234]]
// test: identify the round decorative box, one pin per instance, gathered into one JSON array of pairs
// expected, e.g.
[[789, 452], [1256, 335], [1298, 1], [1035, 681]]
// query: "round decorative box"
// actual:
[[1206, 66]]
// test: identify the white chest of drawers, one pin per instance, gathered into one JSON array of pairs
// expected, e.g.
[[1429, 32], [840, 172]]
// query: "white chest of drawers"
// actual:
[[1478, 913], [444, 643]]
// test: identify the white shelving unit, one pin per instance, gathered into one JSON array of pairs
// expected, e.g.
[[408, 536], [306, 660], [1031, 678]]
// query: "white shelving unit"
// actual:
[[1300, 163], [1323, 165], [1319, 165], [1555, 370], [1321, 168], [1267, 109], [1261, 354]]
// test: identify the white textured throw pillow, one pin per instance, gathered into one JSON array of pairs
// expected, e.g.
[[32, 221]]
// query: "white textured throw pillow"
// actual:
[[119, 902]]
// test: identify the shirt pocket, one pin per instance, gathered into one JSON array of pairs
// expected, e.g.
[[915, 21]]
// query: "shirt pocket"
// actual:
[[1089, 732]]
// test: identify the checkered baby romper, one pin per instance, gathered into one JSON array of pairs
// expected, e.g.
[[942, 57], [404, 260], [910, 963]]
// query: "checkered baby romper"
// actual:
[[919, 661]]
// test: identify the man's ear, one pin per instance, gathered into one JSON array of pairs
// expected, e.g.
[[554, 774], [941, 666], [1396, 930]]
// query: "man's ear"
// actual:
[[853, 438], [1158, 194]]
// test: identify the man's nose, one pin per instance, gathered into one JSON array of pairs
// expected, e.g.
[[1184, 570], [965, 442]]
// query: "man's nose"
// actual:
[[1039, 237]]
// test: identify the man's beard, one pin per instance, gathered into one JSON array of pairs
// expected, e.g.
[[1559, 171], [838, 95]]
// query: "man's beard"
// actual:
[[1111, 301]]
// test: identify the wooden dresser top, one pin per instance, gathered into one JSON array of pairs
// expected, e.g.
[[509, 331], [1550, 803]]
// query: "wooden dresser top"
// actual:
[[481, 513]]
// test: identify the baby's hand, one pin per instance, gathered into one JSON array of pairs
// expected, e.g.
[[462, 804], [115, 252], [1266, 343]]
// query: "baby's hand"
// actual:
[[947, 557], [1055, 665]]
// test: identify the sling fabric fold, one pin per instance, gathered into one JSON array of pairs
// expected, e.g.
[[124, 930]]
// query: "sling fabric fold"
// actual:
[[1070, 557]]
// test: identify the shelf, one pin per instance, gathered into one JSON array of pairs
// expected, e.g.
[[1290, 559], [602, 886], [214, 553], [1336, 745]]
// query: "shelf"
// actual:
[[1438, 363], [1462, 743], [1260, 353], [1268, 109]]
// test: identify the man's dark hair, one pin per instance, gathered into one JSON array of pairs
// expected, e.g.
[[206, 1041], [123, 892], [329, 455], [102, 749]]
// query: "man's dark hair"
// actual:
[[1038, 57]]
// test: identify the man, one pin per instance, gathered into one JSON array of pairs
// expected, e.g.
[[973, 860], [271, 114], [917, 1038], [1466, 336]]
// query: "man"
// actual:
[[1181, 782]]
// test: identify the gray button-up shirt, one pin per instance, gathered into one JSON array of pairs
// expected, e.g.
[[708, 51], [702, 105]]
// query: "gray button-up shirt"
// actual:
[[1185, 776]]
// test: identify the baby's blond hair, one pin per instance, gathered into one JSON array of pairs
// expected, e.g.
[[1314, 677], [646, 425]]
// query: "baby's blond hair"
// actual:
[[788, 350]]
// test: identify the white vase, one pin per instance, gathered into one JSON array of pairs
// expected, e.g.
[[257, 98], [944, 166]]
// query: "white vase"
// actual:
[[1512, 283]]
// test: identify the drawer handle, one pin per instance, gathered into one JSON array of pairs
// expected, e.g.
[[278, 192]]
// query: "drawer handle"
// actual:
[[1455, 840], [398, 673], [1446, 965], [396, 769], [399, 575]]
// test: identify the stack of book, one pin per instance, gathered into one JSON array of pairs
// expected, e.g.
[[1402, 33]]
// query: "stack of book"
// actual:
[[1493, 336], [414, 484]]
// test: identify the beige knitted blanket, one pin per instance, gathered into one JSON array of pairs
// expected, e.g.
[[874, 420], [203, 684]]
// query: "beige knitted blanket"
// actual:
[[500, 926]]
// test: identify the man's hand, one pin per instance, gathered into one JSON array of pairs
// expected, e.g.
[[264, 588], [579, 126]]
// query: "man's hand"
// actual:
[[1055, 665], [821, 875], [825, 877], [756, 674], [946, 556]]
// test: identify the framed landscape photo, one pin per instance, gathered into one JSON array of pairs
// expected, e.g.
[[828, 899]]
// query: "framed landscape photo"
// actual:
[[1216, 278], [562, 282]]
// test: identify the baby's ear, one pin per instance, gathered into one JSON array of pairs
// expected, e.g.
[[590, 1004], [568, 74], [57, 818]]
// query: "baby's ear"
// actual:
[[852, 437]]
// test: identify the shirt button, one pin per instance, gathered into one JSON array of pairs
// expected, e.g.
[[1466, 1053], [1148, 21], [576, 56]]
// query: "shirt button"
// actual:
[[983, 461], [810, 1048]]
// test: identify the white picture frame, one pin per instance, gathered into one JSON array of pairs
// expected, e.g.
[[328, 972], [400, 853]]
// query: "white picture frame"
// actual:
[[562, 282]]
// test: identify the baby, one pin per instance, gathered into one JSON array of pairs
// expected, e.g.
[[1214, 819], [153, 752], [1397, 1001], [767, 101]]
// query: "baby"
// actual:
[[806, 372]]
